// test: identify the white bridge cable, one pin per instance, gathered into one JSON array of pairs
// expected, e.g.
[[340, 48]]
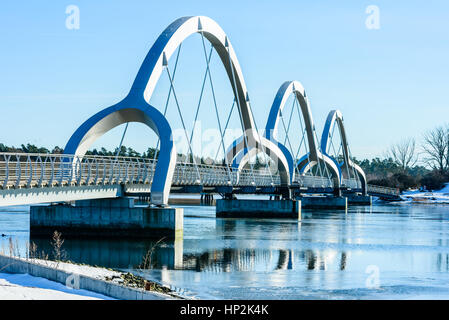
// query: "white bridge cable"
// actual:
[[226, 127], [300, 145], [296, 171], [198, 106], [302, 140], [314, 136], [344, 160], [121, 142], [182, 121], [304, 132], [329, 176], [337, 153], [356, 176], [297, 153], [289, 120], [331, 144], [215, 104], [287, 129], [264, 151], [156, 151], [234, 88], [267, 162], [349, 159]]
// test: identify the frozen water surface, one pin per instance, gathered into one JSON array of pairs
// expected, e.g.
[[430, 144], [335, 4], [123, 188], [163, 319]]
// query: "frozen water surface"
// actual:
[[386, 251]]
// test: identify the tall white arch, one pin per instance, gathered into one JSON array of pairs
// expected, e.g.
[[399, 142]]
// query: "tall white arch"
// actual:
[[335, 117], [307, 162], [165, 46], [132, 110], [145, 83]]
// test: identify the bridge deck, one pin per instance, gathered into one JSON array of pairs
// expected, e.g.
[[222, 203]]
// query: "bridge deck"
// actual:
[[40, 178]]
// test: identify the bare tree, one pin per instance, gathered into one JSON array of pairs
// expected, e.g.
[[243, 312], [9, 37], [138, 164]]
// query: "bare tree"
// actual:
[[404, 153], [436, 148]]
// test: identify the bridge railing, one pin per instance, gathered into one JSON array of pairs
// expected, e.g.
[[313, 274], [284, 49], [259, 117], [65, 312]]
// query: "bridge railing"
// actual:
[[312, 181], [351, 183], [214, 175], [383, 190], [22, 170]]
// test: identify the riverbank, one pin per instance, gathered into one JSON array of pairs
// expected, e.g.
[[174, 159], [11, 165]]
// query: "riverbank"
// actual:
[[104, 282], [426, 197], [27, 287]]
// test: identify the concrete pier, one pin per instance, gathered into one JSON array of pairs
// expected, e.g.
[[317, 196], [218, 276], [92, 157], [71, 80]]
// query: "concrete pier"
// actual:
[[323, 202], [359, 199], [106, 218], [243, 208]]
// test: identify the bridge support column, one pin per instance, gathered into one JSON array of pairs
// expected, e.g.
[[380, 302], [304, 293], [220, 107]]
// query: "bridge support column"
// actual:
[[356, 199], [337, 192], [244, 208], [324, 202], [285, 192], [103, 218]]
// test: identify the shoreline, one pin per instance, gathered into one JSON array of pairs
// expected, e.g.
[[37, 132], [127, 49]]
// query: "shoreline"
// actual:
[[22, 286], [107, 282]]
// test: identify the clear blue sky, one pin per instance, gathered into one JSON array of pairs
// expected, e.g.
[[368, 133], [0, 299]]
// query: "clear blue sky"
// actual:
[[389, 83]]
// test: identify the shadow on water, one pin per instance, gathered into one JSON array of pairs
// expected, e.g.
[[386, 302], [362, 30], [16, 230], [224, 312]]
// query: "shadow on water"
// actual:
[[170, 255], [118, 254]]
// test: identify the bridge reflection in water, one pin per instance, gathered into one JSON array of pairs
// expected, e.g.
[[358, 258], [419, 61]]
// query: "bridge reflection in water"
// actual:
[[118, 254], [169, 255], [231, 260], [186, 255]]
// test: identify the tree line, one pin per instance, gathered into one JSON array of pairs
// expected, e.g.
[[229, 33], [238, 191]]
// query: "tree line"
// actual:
[[408, 165], [404, 165], [123, 152], [151, 153]]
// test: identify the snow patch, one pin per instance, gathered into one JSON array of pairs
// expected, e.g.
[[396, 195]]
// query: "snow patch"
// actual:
[[27, 287], [434, 197]]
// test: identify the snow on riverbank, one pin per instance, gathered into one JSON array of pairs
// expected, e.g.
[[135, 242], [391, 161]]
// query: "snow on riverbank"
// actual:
[[85, 270], [435, 197], [27, 287], [100, 280]]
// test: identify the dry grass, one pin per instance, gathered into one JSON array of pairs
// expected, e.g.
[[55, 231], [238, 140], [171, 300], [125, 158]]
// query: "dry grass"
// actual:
[[147, 259]]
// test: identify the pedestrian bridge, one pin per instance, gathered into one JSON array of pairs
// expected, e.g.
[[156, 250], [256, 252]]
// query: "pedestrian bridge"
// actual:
[[42, 178], [39, 178]]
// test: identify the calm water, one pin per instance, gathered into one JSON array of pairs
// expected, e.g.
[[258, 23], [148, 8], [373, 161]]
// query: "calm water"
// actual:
[[385, 251]]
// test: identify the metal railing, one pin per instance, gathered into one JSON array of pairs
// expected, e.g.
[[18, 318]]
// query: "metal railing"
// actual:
[[213, 175], [351, 183], [383, 190], [22, 170], [313, 181]]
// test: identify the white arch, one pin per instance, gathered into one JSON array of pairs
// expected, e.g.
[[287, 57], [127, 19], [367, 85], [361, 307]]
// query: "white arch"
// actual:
[[145, 83], [131, 110], [336, 117], [165, 46], [271, 129]]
